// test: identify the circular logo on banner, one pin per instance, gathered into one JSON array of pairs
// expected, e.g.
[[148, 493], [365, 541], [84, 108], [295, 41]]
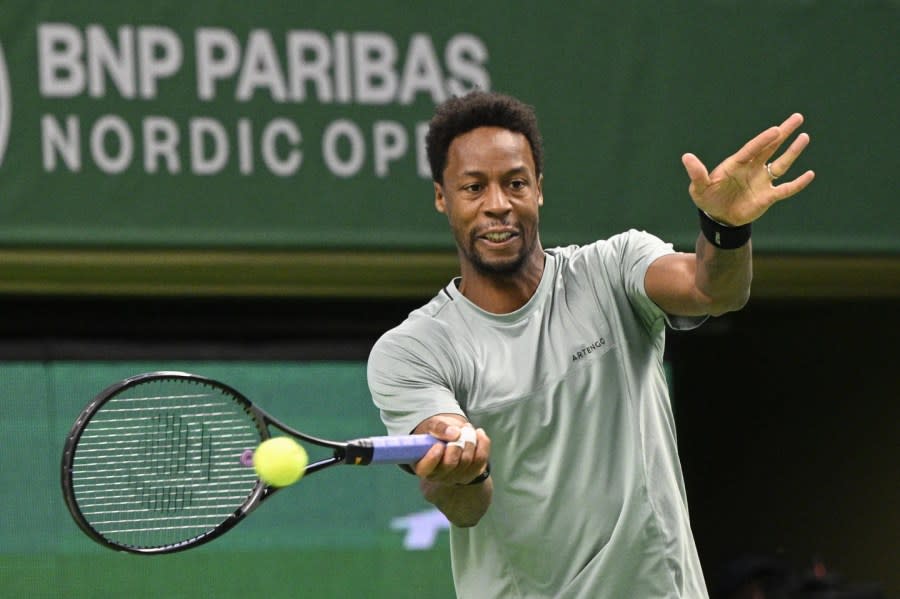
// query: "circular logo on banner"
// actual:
[[5, 106]]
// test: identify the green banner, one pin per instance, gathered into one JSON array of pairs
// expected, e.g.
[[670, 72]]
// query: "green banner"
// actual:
[[300, 125], [346, 532]]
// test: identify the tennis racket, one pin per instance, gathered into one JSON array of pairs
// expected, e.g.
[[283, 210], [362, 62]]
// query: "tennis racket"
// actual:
[[162, 462]]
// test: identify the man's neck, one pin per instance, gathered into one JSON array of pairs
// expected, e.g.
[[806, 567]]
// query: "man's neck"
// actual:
[[502, 294]]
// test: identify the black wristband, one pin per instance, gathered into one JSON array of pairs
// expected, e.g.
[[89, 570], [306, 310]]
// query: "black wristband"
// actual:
[[480, 478], [723, 236]]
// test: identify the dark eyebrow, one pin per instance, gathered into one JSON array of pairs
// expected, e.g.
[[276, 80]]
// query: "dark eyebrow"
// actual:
[[519, 170]]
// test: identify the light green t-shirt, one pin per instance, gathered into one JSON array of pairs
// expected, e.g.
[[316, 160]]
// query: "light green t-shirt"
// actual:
[[589, 499]]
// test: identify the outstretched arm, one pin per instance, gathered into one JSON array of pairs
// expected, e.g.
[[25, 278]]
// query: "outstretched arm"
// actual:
[[716, 278]]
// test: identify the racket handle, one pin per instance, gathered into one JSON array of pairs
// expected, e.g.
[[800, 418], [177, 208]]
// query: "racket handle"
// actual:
[[402, 449]]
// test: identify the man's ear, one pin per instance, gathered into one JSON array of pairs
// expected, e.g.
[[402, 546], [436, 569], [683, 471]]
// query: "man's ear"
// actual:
[[440, 203], [540, 189]]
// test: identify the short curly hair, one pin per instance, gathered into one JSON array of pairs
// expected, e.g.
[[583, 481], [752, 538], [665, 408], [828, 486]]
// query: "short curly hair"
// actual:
[[462, 114]]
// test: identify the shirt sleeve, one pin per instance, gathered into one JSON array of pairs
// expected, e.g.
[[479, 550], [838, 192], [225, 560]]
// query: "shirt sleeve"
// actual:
[[409, 381], [638, 250]]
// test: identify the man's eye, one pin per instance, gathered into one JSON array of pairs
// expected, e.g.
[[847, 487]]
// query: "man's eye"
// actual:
[[518, 184], [474, 187]]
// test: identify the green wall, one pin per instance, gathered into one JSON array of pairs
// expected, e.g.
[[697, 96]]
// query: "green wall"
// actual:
[[332, 535], [298, 125]]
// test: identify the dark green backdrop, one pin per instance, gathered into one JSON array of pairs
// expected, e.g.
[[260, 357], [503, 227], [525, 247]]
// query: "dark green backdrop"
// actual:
[[622, 89], [329, 536]]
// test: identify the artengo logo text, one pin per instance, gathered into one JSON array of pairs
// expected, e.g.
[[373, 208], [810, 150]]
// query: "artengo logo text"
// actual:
[[163, 132]]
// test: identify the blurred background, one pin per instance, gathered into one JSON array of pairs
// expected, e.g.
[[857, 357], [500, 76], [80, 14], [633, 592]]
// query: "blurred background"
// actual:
[[242, 192]]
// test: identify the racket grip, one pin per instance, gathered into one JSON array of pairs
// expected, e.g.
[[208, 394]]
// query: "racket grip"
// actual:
[[404, 449]]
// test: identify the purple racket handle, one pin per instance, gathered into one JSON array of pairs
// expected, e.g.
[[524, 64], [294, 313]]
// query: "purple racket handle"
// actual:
[[404, 449]]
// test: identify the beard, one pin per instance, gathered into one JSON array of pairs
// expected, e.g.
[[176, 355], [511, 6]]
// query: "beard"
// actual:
[[502, 266]]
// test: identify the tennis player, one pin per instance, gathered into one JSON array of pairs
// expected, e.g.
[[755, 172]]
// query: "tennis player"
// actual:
[[543, 368]]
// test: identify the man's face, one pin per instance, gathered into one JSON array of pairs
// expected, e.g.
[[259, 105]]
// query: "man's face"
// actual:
[[491, 196]]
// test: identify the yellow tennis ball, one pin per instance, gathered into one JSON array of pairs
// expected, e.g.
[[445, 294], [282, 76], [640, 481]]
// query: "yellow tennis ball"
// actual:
[[280, 461]]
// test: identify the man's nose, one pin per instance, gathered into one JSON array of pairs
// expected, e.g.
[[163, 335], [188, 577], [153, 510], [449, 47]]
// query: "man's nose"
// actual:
[[496, 201]]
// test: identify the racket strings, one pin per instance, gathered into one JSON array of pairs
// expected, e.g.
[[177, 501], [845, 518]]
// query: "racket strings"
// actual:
[[160, 464]]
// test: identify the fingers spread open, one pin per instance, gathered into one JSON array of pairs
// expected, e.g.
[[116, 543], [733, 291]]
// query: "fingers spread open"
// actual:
[[789, 188], [782, 164], [760, 147]]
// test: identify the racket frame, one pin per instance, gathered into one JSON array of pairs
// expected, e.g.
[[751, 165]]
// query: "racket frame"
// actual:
[[358, 452]]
